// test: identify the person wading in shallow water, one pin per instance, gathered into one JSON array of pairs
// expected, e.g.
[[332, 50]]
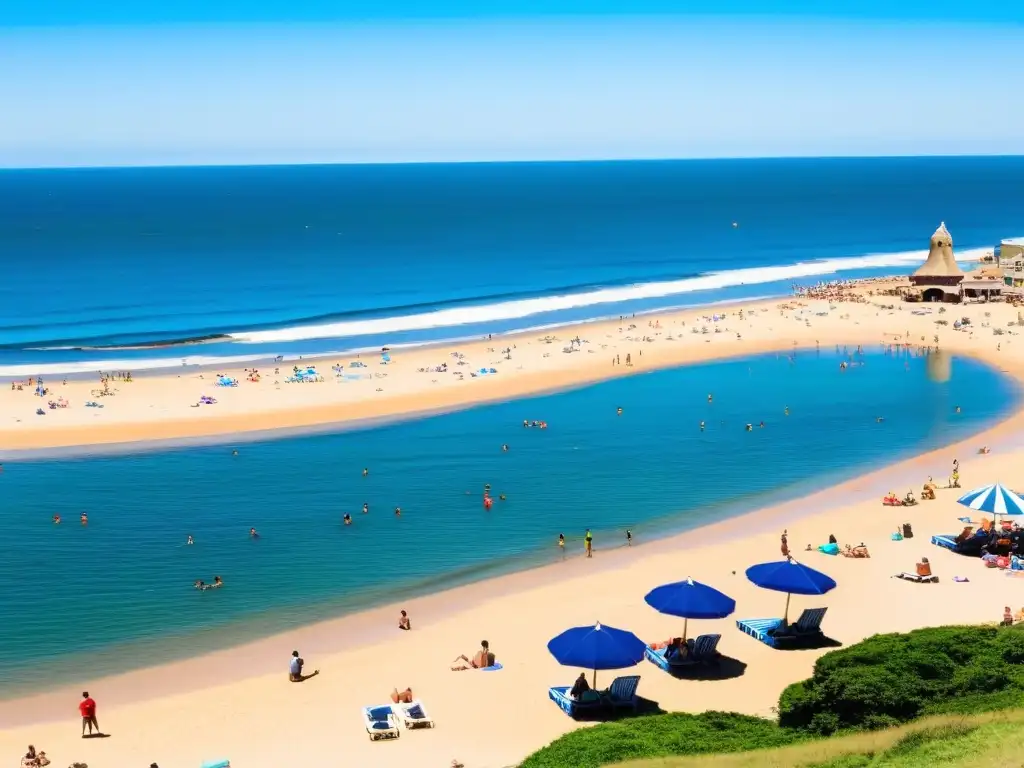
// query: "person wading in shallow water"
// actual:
[[588, 540]]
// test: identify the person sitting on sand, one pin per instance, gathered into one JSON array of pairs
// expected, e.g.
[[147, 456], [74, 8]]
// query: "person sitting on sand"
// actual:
[[295, 669], [403, 697], [403, 621], [909, 499], [984, 450], [482, 658], [1007, 617], [32, 759]]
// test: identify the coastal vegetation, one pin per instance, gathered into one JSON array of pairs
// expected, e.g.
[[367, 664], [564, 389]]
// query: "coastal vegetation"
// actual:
[[858, 696]]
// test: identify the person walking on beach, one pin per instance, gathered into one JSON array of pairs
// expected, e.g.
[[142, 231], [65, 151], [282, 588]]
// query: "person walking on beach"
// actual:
[[629, 538], [87, 708], [588, 540], [785, 544], [295, 669], [561, 544]]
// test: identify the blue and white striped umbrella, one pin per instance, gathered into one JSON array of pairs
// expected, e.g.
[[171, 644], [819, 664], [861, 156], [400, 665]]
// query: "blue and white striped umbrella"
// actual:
[[996, 499]]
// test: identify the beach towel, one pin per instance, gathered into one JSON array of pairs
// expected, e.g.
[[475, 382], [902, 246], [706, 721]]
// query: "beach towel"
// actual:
[[216, 764], [493, 668], [829, 549]]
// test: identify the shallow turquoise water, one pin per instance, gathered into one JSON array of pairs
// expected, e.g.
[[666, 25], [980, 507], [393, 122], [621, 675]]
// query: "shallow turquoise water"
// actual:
[[124, 582]]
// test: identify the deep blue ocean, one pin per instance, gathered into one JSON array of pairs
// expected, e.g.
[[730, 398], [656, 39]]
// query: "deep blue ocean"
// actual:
[[267, 261], [118, 592]]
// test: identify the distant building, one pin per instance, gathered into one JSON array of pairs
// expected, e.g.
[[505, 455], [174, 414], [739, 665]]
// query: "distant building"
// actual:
[[939, 278], [1010, 254]]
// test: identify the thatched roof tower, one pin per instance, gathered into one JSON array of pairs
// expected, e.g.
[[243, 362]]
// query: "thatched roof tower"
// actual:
[[940, 263]]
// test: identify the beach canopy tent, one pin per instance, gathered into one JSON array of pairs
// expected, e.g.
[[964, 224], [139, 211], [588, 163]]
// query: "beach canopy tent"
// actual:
[[995, 499], [790, 577], [690, 599], [597, 647]]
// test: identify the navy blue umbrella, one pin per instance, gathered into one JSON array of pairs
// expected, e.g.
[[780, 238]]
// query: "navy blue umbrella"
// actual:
[[790, 577], [597, 647], [690, 600]]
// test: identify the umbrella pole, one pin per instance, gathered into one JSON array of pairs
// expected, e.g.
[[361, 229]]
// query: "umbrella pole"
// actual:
[[685, 623], [785, 616], [595, 680]]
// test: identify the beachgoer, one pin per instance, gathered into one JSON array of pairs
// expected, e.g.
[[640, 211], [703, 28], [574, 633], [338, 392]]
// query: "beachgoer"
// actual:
[[588, 541], [403, 621], [561, 544], [702, 426], [482, 658], [404, 697], [87, 708], [366, 508], [190, 540], [619, 412], [253, 534], [56, 519], [295, 669], [347, 519], [84, 518], [785, 544], [1007, 617], [365, 471], [580, 687], [504, 448], [629, 538], [33, 759]]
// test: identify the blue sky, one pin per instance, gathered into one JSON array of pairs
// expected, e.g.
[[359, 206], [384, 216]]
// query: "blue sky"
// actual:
[[147, 83]]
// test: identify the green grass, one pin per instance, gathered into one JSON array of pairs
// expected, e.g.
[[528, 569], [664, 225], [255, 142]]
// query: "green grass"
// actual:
[[873, 686], [988, 740], [660, 735]]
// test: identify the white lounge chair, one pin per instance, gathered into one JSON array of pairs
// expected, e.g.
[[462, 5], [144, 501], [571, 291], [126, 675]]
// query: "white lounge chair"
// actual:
[[413, 714], [381, 722]]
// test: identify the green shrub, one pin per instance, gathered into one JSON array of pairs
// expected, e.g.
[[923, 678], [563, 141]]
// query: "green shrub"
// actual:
[[890, 679], [660, 736]]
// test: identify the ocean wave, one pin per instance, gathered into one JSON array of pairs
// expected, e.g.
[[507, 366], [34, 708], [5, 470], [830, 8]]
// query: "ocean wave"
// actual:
[[518, 309]]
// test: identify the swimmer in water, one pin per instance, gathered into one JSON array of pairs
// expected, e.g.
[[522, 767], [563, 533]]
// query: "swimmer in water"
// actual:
[[398, 511], [234, 453], [702, 426], [366, 471], [56, 519], [709, 398], [629, 538], [347, 519], [190, 540], [253, 534], [504, 448], [750, 427], [502, 497], [786, 411], [85, 519], [619, 412], [958, 409], [366, 508], [761, 425], [561, 545]]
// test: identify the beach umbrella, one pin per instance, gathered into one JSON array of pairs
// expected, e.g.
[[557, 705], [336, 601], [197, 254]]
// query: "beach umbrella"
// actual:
[[597, 647], [690, 600], [995, 499], [790, 577]]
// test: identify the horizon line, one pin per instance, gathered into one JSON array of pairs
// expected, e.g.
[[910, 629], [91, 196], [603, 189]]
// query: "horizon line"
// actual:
[[525, 161]]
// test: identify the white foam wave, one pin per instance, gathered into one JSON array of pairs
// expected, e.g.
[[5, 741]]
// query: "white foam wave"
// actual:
[[79, 367], [514, 310]]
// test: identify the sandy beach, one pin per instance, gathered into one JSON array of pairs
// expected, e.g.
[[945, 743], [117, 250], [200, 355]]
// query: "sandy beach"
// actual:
[[238, 703]]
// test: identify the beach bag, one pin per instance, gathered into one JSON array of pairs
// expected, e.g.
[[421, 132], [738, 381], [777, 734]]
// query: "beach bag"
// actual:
[[897, 536], [908, 532]]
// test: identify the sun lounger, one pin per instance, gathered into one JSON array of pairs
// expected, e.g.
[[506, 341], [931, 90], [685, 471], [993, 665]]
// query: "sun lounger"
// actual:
[[622, 692], [944, 541], [413, 715], [916, 578], [572, 707], [768, 630], [381, 722], [704, 650]]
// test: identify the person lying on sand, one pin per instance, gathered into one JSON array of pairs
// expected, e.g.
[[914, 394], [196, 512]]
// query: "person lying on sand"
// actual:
[[859, 551], [482, 658]]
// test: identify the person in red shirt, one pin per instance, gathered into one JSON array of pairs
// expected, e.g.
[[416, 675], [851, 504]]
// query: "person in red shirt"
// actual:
[[88, 709]]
